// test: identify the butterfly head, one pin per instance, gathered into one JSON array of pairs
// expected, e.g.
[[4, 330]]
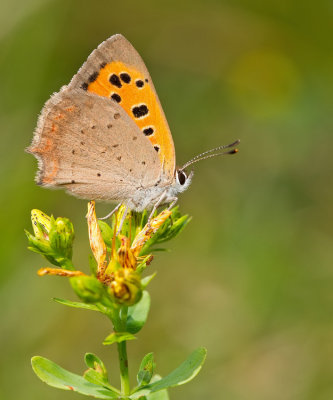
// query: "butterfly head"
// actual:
[[182, 181]]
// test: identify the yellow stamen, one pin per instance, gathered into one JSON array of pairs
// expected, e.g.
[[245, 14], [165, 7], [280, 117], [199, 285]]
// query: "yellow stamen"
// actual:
[[126, 256]]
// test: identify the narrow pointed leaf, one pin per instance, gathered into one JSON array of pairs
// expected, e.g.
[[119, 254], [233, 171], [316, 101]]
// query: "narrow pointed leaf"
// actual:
[[92, 265], [106, 231], [77, 304], [147, 279], [144, 264], [181, 375], [137, 314], [58, 377], [118, 337]]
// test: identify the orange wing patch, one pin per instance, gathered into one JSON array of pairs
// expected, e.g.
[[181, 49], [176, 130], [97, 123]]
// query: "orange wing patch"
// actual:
[[129, 88]]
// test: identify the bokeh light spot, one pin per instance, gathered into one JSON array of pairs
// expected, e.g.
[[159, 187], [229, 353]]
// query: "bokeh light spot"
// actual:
[[264, 83]]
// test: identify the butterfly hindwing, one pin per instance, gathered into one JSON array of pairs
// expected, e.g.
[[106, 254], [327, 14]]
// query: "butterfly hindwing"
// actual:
[[88, 145], [116, 71]]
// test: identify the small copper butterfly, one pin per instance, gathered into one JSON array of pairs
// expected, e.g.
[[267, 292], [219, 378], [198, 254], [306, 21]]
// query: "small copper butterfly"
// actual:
[[104, 136]]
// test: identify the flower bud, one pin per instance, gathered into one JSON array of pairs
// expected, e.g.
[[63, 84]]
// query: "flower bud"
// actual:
[[61, 236], [88, 288], [53, 238], [126, 287], [41, 224]]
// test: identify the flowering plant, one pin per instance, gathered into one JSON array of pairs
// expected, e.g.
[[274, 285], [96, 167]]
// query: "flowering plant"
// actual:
[[116, 288]]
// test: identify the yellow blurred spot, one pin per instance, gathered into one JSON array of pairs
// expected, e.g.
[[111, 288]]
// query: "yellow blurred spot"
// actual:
[[264, 83]]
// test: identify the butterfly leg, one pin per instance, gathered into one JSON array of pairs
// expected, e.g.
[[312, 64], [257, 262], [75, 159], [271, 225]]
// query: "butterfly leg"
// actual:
[[173, 202], [112, 212], [159, 201]]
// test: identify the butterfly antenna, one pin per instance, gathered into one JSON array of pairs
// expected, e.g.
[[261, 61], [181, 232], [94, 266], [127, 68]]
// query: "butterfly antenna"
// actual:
[[205, 154]]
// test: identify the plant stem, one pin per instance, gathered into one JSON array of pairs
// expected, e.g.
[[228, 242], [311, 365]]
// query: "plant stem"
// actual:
[[123, 361]]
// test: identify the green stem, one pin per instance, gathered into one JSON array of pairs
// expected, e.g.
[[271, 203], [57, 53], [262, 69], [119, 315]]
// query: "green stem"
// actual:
[[122, 354]]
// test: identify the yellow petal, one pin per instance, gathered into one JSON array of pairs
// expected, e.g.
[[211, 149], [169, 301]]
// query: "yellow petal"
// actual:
[[148, 231], [97, 244], [58, 272]]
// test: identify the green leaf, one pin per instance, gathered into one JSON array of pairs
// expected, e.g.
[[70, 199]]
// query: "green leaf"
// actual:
[[106, 231], [181, 375], [147, 279], [161, 394], [144, 264], [146, 369], [170, 229], [137, 314], [55, 376], [96, 378], [92, 361], [118, 337], [175, 228], [77, 304], [92, 265], [97, 372]]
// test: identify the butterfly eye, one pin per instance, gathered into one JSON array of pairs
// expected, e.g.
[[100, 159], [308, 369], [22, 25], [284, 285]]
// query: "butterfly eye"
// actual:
[[181, 177]]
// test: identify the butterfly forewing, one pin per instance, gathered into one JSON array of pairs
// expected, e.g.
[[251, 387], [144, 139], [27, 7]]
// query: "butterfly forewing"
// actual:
[[116, 71], [89, 145]]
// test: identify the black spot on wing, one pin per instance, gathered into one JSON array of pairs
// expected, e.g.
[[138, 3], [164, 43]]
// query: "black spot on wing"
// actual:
[[125, 77], [93, 77], [140, 111], [116, 97], [115, 81], [148, 131]]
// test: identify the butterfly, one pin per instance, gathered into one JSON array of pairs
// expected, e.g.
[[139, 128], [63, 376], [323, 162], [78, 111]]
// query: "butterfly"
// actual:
[[104, 136]]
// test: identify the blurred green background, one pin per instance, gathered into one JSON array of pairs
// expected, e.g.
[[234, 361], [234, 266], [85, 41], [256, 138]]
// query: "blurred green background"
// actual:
[[251, 277]]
